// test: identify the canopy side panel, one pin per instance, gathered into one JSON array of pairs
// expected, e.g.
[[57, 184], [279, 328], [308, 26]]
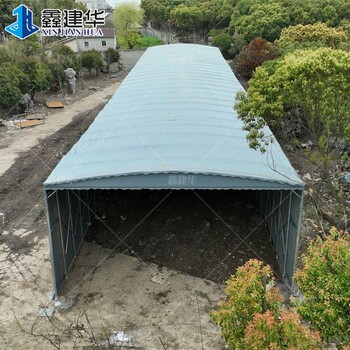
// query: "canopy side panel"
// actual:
[[69, 214], [282, 212]]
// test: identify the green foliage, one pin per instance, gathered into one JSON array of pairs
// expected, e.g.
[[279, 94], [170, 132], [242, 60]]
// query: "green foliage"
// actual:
[[111, 56], [6, 8], [316, 83], [186, 18], [325, 284], [39, 74], [254, 55], [91, 59], [223, 42], [263, 20], [238, 43], [310, 36], [12, 79], [148, 41], [127, 17], [10, 94], [65, 57], [246, 296], [282, 330], [129, 40], [155, 12], [4, 54]]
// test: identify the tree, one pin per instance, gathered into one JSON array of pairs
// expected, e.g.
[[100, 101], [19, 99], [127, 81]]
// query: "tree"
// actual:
[[311, 36], [6, 17], [111, 56], [324, 282], [65, 57], [4, 54], [155, 12], [186, 18], [223, 41], [12, 80], [91, 59], [39, 74], [127, 18], [254, 55], [313, 85], [263, 20]]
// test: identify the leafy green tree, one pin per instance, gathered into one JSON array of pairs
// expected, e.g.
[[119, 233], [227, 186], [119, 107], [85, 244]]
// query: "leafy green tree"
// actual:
[[186, 18], [39, 74], [91, 59], [223, 41], [4, 54], [111, 56], [225, 12], [310, 36], [65, 57], [314, 85], [155, 12], [324, 282], [6, 8], [263, 20], [127, 18], [13, 83]]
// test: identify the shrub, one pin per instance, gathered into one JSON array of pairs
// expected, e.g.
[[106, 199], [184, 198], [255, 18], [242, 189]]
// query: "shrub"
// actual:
[[129, 40], [12, 80], [111, 56], [149, 41], [325, 283], [38, 73], [245, 296], [65, 57], [281, 331], [253, 315], [254, 55], [223, 42], [91, 59]]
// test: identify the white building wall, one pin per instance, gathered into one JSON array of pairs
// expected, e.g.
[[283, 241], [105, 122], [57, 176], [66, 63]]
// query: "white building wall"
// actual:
[[94, 4], [73, 44], [96, 44]]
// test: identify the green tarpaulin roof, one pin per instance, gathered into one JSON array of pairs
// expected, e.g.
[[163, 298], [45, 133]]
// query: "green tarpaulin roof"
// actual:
[[171, 124]]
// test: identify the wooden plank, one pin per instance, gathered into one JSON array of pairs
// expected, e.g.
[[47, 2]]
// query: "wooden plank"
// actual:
[[54, 104], [29, 123]]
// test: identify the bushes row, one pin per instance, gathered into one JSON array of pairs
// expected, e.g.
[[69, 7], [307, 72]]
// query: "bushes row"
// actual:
[[253, 316]]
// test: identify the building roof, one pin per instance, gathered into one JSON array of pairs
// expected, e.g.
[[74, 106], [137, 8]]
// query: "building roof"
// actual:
[[107, 33], [171, 124]]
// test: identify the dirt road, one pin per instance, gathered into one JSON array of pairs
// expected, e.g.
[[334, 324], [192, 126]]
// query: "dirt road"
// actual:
[[167, 307]]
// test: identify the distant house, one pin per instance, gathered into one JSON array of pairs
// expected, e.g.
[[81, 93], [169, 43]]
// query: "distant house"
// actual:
[[99, 43], [95, 4]]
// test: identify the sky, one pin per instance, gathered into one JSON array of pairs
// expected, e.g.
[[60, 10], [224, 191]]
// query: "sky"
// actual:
[[116, 2]]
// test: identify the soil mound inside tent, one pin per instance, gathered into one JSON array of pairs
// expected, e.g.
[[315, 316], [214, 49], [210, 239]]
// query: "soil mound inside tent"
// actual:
[[205, 233]]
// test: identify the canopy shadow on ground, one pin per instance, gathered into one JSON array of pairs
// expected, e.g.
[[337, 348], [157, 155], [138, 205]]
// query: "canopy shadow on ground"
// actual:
[[204, 233]]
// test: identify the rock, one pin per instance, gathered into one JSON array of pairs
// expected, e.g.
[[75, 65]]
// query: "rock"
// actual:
[[347, 178]]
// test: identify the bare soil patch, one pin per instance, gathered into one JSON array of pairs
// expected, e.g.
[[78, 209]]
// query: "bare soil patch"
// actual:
[[196, 232]]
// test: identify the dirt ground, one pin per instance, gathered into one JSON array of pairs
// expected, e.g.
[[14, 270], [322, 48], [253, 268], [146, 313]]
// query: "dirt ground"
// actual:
[[190, 231], [168, 310]]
